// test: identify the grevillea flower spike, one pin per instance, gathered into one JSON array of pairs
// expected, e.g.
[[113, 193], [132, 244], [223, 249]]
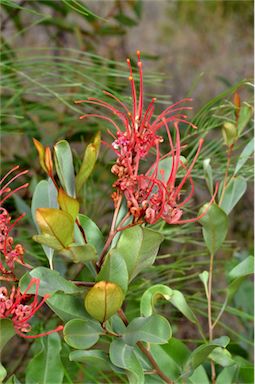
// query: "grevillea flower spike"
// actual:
[[150, 195], [21, 307]]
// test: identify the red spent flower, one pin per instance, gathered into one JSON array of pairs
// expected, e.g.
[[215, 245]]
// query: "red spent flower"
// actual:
[[21, 307]]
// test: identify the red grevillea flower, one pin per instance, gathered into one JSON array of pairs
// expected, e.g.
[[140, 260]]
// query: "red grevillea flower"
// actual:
[[20, 308], [11, 253], [150, 195]]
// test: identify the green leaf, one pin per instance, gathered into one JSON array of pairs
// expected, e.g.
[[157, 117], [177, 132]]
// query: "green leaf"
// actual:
[[44, 196], [200, 354], [82, 334], [3, 373], [199, 376], [222, 357], [12, 380], [154, 329], [125, 20], [64, 165], [165, 361], [204, 276], [93, 234], [88, 163], [7, 332], [80, 253], [114, 270], [95, 357], [176, 298], [103, 300], [215, 227], [67, 307], [68, 204], [57, 224], [233, 193], [139, 247], [208, 175], [123, 356], [50, 282], [165, 167], [227, 375], [246, 153], [245, 268], [46, 367], [245, 114]]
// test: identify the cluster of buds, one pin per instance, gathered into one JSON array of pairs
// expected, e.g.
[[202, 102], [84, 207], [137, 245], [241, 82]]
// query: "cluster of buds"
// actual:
[[14, 305], [150, 195]]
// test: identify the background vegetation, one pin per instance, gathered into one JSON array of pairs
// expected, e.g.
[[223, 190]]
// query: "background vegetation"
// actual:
[[55, 52]]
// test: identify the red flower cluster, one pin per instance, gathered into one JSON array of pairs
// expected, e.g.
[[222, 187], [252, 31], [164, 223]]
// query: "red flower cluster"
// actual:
[[150, 195], [12, 253], [14, 305], [20, 309]]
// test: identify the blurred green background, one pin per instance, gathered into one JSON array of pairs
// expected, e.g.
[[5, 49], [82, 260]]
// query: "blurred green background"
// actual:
[[55, 52]]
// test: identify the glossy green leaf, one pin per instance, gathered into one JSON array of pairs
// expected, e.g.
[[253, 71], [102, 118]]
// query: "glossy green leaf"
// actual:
[[199, 376], [50, 282], [208, 175], [46, 367], [64, 165], [95, 357], [245, 268], [246, 370], [57, 224], [200, 354], [44, 196], [176, 298], [227, 375], [82, 334], [215, 227], [68, 204], [245, 114], [81, 253], [123, 356], [165, 361], [49, 241], [154, 329], [222, 357], [103, 300], [7, 332], [233, 193], [114, 270], [93, 234], [245, 155], [67, 306], [139, 247], [88, 163], [177, 350]]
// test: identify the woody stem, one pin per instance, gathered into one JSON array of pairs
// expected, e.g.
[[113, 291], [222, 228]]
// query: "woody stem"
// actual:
[[112, 233], [210, 325], [146, 352]]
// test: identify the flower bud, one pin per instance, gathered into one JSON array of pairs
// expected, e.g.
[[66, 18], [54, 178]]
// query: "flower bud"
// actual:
[[230, 133], [103, 300]]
